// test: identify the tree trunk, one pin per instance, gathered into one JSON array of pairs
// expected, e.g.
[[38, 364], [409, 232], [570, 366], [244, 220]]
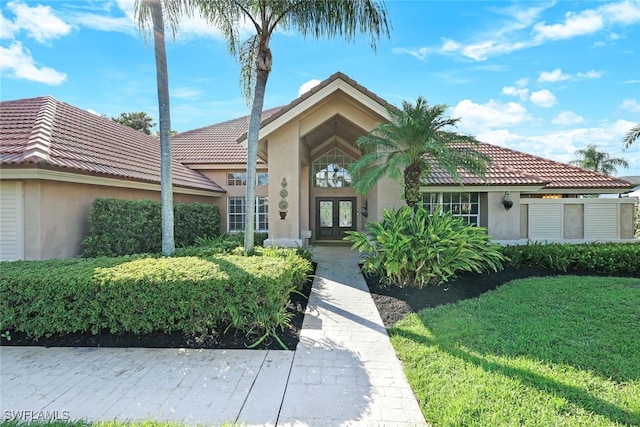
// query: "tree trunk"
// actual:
[[412, 176], [162, 77], [252, 155]]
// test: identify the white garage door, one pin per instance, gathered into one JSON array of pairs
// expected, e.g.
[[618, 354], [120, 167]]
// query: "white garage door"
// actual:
[[11, 224]]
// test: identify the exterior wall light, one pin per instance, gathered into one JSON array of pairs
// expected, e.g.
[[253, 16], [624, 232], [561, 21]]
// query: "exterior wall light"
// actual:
[[506, 201]]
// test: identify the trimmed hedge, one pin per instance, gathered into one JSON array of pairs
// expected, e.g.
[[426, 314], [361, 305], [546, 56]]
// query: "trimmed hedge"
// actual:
[[143, 294], [124, 227], [601, 258]]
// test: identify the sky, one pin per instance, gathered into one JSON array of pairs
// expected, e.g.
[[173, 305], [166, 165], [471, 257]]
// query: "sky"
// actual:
[[546, 78]]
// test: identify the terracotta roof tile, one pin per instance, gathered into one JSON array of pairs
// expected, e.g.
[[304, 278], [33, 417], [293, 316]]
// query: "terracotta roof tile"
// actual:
[[51, 133], [217, 144], [511, 167]]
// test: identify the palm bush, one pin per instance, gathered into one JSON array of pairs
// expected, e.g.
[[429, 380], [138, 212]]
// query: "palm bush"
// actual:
[[422, 248]]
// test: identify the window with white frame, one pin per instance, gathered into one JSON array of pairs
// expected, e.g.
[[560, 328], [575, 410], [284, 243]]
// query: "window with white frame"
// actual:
[[330, 170], [236, 212], [240, 178], [464, 205]]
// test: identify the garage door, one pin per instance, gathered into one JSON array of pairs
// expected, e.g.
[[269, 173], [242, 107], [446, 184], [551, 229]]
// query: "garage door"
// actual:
[[11, 224]]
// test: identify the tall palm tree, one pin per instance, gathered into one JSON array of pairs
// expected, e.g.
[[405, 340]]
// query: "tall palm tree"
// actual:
[[155, 11], [598, 161], [316, 18], [631, 136], [416, 141]]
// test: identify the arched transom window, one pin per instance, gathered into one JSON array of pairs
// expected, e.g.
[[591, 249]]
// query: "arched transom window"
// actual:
[[330, 170]]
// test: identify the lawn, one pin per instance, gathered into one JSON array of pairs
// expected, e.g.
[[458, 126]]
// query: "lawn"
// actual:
[[561, 350]]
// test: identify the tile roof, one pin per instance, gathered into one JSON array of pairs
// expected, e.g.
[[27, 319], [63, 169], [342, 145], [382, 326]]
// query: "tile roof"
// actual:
[[219, 143], [215, 144], [511, 167], [46, 132]]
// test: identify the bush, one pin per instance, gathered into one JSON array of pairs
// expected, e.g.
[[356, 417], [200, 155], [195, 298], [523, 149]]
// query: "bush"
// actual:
[[144, 294], [123, 227], [421, 248], [601, 258]]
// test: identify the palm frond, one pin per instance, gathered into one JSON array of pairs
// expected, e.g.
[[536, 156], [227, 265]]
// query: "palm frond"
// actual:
[[631, 136]]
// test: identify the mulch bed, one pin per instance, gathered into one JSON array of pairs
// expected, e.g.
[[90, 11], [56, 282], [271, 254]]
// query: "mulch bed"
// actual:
[[394, 303]]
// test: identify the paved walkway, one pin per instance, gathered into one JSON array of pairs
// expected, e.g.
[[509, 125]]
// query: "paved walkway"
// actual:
[[344, 372]]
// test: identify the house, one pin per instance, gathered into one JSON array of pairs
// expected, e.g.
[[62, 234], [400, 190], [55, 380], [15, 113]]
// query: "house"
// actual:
[[56, 159]]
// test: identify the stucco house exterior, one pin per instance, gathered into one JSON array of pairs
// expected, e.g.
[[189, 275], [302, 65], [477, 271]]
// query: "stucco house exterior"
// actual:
[[56, 159]]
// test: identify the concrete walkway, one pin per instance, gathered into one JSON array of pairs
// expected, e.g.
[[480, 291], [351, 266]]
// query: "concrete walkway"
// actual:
[[344, 372]]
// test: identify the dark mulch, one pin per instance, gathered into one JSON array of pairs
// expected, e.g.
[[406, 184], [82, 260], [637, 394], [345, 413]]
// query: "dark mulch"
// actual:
[[394, 303], [232, 339]]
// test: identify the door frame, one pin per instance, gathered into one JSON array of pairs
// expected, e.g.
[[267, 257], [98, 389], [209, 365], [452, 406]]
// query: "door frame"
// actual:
[[337, 234]]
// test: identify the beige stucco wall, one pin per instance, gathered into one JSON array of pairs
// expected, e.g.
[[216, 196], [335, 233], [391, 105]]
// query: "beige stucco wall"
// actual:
[[626, 220], [56, 214], [574, 221], [503, 224]]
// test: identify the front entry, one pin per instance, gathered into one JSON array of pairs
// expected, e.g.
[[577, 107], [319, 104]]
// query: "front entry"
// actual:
[[334, 217]]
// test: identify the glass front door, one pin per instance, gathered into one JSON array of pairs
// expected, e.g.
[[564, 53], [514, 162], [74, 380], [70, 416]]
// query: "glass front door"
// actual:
[[334, 217]]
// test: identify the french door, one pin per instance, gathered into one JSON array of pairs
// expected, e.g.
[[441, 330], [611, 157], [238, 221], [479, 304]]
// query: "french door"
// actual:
[[334, 217]]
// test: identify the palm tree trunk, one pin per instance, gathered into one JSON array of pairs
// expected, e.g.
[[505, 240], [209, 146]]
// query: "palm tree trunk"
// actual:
[[252, 156], [412, 176], [162, 77]]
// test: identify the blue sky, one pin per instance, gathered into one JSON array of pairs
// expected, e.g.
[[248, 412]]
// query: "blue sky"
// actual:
[[546, 78]]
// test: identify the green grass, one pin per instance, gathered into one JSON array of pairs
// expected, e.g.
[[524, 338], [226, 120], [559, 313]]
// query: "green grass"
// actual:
[[536, 352]]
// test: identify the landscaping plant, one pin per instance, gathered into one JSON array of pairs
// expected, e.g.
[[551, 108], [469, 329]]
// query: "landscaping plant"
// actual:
[[601, 258], [419, 248]]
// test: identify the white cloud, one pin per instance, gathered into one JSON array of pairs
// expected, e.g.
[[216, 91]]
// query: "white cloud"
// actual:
[[591, 74], [480, 117], [521, 31], [553, 76], [543, 98], [630, 105], [307, 86], [575, 24], [566, 118], [625, 12], [520, 92], [94, 112], [419, 53], [19, 63], [6, 27], [186, 92], [39, 21], [484, 50]]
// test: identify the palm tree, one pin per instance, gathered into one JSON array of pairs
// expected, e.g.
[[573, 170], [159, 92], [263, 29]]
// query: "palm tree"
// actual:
[[598, 161], [414, 143], [316, 18], [631, 136], [155, 11]]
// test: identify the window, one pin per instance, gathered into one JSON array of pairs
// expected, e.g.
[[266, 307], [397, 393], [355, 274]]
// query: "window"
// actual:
[[236, 214], [240, 178], [330, 170], [464, 205]]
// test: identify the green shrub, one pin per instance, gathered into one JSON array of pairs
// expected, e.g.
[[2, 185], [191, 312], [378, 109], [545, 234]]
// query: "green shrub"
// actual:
[[421, 248], [602, 258], [145, 294], [123, 227]]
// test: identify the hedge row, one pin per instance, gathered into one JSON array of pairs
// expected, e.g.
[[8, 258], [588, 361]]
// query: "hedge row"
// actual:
[[124, 227], [143, 294], [601, 258]]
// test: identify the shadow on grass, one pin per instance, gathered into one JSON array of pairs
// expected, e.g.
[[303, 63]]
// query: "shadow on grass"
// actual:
[[573, 394]]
